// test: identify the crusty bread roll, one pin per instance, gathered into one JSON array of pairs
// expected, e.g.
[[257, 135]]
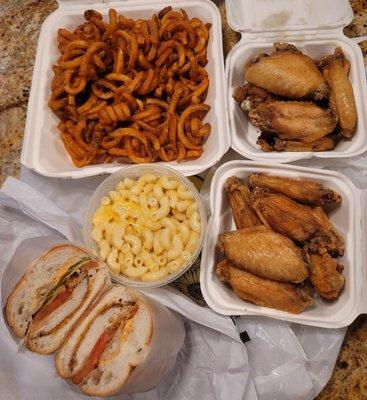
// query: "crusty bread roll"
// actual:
[[112, 339], [52, 295]]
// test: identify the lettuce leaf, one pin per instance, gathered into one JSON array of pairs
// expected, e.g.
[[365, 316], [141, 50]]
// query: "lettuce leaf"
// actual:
[[65, 278]]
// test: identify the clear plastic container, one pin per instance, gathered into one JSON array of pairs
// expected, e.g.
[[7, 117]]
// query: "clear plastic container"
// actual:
[[349, 219], [135, 171], [43, 150], [316, 28]]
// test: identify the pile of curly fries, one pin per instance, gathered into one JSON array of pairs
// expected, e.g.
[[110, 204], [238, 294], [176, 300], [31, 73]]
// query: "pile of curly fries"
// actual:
[[132, 89]]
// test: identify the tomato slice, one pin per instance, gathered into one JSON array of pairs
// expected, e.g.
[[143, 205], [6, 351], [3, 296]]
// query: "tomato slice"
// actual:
[[58, 301], [94, 356], [61, 298], [90, 265]]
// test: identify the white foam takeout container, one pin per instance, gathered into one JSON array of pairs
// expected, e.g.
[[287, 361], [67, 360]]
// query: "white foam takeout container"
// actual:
[[316, 28], [349, 219], [43, 150]]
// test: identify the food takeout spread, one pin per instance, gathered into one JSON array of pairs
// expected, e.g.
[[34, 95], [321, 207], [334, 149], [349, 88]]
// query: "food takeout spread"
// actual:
[[139, 91]]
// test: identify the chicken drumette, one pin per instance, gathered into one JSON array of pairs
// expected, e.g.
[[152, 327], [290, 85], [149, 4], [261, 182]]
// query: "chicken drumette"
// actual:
[[239, 199], [304, 191], [336, 70]]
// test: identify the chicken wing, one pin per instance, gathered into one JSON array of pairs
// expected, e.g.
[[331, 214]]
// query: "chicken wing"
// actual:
[[284, 215], [336, 70], [324, 144], [249, 96], [327, 238], [304, 191], [326, 275], [264, 253], [264, 292], [293, 120], [287, 73], [239, 199]]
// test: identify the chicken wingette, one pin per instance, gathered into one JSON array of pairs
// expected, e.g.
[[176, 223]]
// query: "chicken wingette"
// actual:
[[249, 96], [324, 144], [287, 73], [264, 292], [284, 215], [326, 275], [336, 70], [264, 253], [294, 120], [239, 199], [302, 190]]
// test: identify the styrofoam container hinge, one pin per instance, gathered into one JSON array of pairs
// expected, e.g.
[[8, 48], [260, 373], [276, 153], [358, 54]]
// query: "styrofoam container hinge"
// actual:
[[288, 36]]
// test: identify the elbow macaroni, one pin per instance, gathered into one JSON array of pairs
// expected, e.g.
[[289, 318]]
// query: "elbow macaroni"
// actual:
[[183, 205], [183, 193], [175, 248], [163, 210], [135, 243], [168, 183], [147, 229]]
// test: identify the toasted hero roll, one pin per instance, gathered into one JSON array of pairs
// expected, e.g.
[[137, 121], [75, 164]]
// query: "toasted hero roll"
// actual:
[[115, 345], [52, 295]]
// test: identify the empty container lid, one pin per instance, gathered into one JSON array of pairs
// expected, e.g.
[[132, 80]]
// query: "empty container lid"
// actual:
[[287, 15]]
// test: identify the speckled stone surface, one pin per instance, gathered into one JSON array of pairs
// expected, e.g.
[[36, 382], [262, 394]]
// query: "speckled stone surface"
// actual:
[[20, 22]]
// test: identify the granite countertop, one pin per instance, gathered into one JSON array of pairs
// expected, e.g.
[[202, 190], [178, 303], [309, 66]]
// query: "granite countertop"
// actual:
[[20, 22]]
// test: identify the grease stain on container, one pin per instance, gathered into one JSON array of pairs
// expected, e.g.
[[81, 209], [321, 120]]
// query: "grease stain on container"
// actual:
[[276, 20]]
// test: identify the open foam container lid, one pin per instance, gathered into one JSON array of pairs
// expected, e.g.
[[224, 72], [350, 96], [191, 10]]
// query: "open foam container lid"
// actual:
[[287, 15]]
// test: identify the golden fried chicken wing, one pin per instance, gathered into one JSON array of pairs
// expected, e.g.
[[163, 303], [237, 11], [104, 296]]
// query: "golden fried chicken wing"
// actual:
[[287, 73], [326, 275], [304, 191], [324, 144], [294, 120], [264, 253], [266, 143], [264, 292], [239, 199], [284, 215], [327, 238], [336, 70], [249, 96]]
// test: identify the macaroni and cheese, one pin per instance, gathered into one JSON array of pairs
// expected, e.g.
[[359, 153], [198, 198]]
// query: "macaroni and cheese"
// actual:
[[147, 229]]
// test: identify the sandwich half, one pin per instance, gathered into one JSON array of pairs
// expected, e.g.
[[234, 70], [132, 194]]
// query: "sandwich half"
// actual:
[[52, 295], [108, 343]]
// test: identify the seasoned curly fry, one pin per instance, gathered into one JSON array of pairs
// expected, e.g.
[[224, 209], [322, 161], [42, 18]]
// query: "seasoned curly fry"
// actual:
[[132, 89]]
